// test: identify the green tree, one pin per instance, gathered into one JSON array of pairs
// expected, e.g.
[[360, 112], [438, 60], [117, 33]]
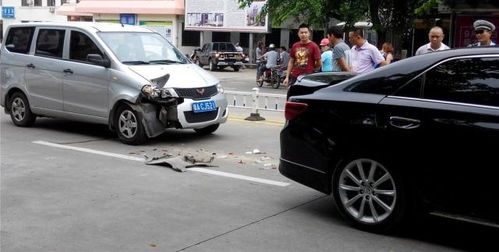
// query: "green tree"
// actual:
[[386, 15], [316, 13]]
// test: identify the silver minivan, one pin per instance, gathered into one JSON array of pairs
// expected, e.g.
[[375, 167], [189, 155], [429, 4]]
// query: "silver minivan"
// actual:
[[128, 77]]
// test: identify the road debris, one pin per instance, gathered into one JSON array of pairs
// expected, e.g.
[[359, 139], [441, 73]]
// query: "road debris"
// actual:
[[182, 162]]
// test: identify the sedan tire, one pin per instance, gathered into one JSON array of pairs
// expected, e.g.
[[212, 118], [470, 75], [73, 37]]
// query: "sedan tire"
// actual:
[[129, 127], [369, 194], [20, 111]]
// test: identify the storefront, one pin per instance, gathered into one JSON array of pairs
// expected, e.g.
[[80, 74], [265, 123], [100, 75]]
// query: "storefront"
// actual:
[[161, 16]]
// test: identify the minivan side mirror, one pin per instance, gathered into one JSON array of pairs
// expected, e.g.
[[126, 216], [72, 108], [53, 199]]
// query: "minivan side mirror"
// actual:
[[98, 60]]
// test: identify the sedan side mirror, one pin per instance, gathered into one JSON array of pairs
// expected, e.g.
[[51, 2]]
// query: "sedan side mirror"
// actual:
[[98, 60]]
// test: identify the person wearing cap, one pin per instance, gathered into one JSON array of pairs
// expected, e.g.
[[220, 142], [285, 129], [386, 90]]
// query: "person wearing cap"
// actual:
[[436, 35], [326, 56], [271, 56], [483, 33]]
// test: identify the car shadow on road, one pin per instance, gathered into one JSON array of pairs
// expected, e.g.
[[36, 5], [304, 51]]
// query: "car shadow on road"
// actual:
[[91, 130], [100, 131], [428, 229]]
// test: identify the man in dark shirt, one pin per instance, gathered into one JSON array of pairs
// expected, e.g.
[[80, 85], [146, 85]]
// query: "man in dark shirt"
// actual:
[[305, 56]]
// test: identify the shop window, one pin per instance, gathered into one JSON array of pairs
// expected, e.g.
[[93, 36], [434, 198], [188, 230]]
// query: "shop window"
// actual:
[[221, 36], [244, 40], [190, 38]]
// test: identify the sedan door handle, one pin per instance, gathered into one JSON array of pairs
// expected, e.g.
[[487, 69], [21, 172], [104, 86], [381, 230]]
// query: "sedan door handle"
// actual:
[[68, 71], [404, 123], [31, 66]]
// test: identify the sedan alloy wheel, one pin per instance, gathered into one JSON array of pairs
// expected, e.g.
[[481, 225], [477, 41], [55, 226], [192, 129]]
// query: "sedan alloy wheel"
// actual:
[[369, 194]]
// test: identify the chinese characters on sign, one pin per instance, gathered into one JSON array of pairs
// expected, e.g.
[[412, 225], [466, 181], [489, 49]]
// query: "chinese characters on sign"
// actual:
[[128, 19], [8, 12], [225, 15]]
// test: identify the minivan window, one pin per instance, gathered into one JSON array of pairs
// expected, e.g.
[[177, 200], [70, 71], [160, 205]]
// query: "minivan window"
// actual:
[[50, 42], [80, 46], [142, 48], [471, 80], [19, 39]]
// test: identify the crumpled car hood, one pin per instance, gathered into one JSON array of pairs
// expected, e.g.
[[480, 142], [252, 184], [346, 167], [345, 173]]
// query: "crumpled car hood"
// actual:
[[181, 75]]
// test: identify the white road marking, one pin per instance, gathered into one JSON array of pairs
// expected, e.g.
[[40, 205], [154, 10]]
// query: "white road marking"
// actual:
[[237, 176], [202, 170], [103, 153]]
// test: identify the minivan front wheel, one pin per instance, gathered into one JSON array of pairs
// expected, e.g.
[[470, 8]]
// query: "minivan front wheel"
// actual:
[[20, 111], [369, 194], [128, 126]]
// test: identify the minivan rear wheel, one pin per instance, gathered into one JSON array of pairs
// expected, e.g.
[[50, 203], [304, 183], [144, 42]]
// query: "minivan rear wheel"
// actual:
[[128, 126], [20, 111], [369, 194]]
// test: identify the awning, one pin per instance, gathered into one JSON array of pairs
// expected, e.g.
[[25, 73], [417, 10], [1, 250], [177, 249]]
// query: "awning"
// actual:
[[173, 7], [69, 10]]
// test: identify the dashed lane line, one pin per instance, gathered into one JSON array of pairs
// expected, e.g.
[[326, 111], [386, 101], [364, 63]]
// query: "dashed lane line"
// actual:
[[201, 170]]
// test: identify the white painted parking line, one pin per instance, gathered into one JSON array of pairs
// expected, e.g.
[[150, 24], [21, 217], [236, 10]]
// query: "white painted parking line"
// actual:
[[202, 170], [237, 176], [103, 153]]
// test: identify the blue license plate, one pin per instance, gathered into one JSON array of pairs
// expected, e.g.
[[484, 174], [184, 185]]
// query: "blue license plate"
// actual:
[[206, 106]]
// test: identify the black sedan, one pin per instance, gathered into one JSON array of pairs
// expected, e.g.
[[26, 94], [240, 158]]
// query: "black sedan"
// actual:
[[419, 135]]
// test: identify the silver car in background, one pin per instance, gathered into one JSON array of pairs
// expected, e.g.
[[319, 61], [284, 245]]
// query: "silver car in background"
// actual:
[[127, 77]]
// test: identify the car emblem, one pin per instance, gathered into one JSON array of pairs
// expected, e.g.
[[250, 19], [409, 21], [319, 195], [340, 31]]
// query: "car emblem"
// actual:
[[200, 91]]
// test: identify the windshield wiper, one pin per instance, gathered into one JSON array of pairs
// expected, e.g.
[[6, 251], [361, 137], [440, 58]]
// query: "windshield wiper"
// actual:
[[136, 62], [166, 61]]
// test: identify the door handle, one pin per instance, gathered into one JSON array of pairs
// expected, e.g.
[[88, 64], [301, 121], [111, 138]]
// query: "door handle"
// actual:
[[404, 123], [30, 65], [68, 71]]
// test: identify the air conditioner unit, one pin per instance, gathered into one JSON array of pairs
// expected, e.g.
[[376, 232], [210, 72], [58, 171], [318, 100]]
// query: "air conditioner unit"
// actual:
[[52, 9], [29, 2]]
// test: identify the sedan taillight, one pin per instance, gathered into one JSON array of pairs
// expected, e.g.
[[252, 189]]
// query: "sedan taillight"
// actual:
[[293, 109]]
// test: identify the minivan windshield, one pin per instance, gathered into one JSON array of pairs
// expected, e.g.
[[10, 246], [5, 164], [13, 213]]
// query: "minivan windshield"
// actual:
[[141, 48]]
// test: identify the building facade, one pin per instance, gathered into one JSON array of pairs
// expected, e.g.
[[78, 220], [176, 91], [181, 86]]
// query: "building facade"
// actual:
[[19, 11]]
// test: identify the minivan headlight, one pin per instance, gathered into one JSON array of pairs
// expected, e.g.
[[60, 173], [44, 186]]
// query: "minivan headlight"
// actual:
[[220, 89], [155, 92], [147, 90]]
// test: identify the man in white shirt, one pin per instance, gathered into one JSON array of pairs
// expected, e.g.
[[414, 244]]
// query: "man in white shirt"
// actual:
[[364, 56], [436, 35]]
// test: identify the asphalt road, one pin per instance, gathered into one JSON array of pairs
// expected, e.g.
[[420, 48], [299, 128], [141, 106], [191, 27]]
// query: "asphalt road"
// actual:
[[244, 80], [68, 186]]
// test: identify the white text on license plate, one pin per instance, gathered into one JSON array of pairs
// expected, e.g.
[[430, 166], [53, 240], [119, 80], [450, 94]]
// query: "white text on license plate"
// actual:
[[199, 107]]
